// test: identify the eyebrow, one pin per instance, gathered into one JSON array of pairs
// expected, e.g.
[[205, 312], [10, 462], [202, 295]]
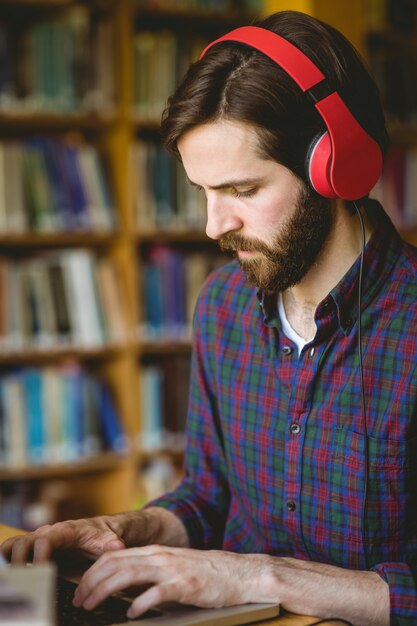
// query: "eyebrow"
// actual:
[[241, 182]]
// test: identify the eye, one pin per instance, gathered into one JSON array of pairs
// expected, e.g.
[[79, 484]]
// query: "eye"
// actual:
[[247, 193]]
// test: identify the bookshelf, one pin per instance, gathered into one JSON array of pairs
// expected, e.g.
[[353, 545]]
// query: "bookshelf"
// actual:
[[63, 119], [79, 136]]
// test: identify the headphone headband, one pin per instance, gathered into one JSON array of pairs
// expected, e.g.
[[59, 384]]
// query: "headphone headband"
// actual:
[[305, 73], [346, 162]]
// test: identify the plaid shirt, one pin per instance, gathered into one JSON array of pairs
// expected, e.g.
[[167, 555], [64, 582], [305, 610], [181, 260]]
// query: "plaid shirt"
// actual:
[[275, 452]]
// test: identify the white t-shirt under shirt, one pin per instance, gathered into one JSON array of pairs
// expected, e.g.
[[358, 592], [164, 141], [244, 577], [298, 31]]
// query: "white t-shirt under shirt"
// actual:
[[288, 330]]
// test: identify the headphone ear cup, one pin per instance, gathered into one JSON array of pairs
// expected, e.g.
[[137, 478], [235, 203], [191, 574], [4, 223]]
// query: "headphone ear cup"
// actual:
[[318, 165]]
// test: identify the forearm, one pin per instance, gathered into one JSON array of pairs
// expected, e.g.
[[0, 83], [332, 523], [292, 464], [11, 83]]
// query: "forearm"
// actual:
[[305, 587], [152, 525]]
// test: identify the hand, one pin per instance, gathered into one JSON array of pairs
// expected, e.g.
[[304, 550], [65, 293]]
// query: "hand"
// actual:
[[87, 537], [203, 578]]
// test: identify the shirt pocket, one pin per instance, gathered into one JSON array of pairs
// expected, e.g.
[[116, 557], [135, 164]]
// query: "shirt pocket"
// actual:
[[389, 498]]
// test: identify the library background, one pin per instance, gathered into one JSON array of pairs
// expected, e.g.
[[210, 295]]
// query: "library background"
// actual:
[[102, 244]]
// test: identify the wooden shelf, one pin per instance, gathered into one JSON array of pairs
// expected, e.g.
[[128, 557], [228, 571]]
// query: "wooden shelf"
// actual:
[[57, 239], [182, 18], [38, 4], [43, 355], [100, 463], [42, 122], [163, 347], [147, 456]]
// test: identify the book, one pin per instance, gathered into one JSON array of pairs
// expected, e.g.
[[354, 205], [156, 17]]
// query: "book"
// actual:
[[163, 396], [53, 399], [3, 305], [92, 437], [60, 194], [151, 406], [36, 439], [172, 281], [15, 416], [3, 434], [44, 329], [56, 414], [14, 188], [3, 203], [111, 299], [59, 295], [72, 411], [38, 197], [59, 62], [114, 436], [99, 206], [83, 305]]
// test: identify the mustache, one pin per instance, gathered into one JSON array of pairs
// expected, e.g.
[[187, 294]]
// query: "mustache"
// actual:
[[231, 242]]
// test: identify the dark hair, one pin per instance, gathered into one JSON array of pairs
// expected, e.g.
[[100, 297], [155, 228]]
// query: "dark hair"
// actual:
[[235, 82]]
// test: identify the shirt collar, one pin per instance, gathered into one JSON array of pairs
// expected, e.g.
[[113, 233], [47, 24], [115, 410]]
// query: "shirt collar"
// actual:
[[380, 255]]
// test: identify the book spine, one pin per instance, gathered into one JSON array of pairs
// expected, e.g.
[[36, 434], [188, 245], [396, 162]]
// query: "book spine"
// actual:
[[55, 415]]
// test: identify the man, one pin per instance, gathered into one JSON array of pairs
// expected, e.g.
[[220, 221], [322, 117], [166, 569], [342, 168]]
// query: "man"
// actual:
[[299, 480]]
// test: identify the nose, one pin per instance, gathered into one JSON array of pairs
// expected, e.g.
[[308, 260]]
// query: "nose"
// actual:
[[221, 217]]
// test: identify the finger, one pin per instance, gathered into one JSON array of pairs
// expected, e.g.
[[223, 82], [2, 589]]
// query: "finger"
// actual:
[[163, 592], [21, 550], [104, 568], [38, 545], [7, 545], [90, 596], [108, 586], [42, 550], [47, 539], [98, 583], [113, 545]]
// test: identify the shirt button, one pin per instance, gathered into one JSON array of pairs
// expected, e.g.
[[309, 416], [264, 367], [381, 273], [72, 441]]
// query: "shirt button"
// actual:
[[287, 350], [312, 351], [295, 428], [291, 506]]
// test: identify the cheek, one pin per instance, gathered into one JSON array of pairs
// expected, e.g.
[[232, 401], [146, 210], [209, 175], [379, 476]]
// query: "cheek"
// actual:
[[271, 215]]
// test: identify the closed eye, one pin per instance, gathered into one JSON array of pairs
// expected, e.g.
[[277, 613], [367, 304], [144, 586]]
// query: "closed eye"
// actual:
[[248, 193]]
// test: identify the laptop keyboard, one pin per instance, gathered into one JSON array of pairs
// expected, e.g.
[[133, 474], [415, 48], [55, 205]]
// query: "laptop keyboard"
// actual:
[[111, 611]]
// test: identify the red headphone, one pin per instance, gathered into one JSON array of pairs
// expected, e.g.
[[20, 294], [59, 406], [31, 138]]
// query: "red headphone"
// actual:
[[344, 162]]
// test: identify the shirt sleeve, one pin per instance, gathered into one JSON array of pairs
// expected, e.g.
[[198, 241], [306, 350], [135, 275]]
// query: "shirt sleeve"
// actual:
[[402, 581], [201, 501]]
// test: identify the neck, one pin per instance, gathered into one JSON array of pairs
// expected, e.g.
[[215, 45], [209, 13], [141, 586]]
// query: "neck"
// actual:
[[342, 248]]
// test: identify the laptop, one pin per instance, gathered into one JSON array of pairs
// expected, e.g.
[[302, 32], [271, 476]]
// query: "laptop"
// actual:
[[53, 595]]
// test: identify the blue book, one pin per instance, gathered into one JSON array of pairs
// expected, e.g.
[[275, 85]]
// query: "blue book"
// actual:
[[163, 187], [3, 451], [79, 200], [32, 385], [153, 299], [74, 412], [178, 295], [58, 185], [113, 435]]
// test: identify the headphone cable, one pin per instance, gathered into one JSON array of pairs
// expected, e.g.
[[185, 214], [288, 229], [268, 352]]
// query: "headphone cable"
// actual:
[[363, 403]]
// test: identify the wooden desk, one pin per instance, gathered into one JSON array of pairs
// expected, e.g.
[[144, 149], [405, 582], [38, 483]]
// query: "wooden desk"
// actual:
[[283, 620]]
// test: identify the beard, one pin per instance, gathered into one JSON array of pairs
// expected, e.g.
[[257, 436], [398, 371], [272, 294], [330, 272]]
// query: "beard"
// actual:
[[285, 261]]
